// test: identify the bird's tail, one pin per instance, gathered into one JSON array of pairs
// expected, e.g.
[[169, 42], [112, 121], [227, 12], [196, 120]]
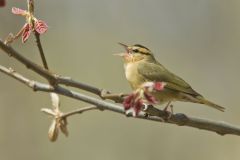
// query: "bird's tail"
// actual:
[[210, 104]]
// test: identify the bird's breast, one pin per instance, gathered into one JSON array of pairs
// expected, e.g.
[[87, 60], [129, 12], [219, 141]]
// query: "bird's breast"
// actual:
[[130, 71], [132, 75]]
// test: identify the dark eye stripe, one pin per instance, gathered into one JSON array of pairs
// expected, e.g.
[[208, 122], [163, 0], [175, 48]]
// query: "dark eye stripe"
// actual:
[[138, 51], [141, 46], [146, 53], [135, 50]]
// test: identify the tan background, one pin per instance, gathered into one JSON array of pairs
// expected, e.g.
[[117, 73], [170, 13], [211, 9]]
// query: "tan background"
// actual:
[[198, 40]]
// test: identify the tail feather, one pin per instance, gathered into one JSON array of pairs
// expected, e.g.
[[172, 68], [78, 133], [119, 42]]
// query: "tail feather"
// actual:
[[210, 104], [201, 100]]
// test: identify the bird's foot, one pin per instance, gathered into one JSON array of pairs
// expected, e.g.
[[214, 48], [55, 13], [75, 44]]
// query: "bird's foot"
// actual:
[[144, 109], [146, 115]]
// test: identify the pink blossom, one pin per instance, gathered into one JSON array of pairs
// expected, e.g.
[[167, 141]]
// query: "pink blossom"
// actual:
[[40, 26], [26, 32], [19, 11], [135, 101], [31, 24]]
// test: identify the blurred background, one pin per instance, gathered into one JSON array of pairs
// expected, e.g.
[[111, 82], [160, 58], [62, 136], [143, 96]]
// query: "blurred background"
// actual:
[[198, 40]]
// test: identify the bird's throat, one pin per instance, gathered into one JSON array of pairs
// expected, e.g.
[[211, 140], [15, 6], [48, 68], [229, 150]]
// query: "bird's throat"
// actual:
[[132, 59]]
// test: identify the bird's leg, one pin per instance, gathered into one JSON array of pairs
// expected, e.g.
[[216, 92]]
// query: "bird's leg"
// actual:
[[171, 106], [168, 105], [170, 113]]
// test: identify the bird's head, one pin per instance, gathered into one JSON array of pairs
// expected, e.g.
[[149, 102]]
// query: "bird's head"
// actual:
[[135, 53]]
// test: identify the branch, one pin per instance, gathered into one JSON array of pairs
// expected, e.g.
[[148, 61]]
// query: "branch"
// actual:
[[40, 48], [180, 119], [29, 64], [32, 84], [79, 111], [51, 77], [37, 35]]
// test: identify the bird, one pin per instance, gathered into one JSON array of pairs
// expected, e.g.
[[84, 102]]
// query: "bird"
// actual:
[[141, 66]]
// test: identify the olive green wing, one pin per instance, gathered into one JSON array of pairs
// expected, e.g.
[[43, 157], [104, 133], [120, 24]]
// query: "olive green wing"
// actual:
[[156, 72]]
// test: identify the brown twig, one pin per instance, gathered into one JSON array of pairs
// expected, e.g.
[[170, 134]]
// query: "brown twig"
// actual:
[[40, 48], [180, 119], [36, 34]]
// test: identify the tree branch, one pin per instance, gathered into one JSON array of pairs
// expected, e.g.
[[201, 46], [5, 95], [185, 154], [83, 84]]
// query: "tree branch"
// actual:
[[40, 48], [37, 35], [51, 77], [79, 111], [36, 86], [180, 119], [29, 64]]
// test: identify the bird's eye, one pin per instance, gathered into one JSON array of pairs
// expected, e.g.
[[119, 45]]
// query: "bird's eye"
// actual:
[[135, 50]]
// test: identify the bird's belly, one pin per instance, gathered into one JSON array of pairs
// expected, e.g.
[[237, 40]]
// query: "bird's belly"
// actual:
[[164, 96]]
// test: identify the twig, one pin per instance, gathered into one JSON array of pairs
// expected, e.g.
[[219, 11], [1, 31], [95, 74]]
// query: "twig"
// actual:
[[79, 111], [29, 64], [53, 78], [72, 83], [221, 128], [40, 48], [46, 73], [37, 35], [36, 86]]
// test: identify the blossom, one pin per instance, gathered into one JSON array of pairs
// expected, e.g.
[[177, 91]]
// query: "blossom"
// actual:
[[32, 23], [58, 122], [134, 102]]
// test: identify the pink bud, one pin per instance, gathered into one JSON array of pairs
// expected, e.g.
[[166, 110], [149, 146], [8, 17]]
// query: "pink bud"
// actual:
[[137, 107], [40, 26], [18, 11], [26, 32], [127, 103], [150, 98]]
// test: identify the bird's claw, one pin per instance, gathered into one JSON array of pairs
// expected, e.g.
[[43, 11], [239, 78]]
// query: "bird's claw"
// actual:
[[169, 113]]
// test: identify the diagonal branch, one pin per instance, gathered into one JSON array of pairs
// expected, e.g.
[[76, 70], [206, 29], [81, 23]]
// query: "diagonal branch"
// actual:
[[51, 77], [79, 111], [32, 84], [29, 64], [180, 119]]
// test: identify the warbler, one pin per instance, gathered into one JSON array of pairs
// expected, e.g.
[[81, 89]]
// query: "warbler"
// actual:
[[141, 66]]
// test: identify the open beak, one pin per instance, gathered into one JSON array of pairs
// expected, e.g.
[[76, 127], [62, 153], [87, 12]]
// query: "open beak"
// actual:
[[125, 47], [122, 54]]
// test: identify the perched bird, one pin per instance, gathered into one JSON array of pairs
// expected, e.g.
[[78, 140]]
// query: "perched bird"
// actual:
[[141, 66]]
